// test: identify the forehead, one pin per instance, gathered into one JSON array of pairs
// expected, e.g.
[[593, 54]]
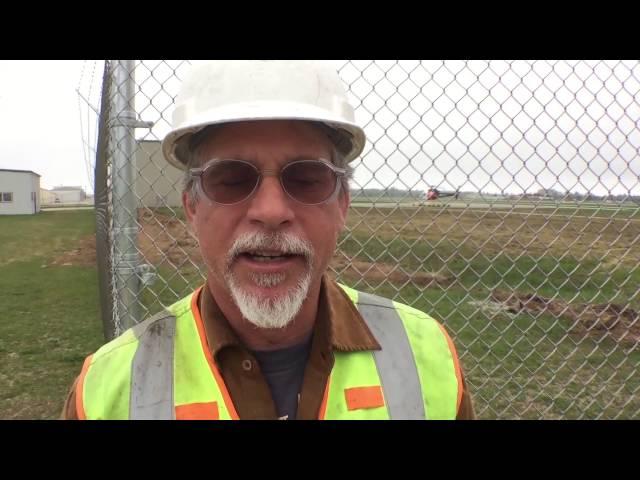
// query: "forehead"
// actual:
[[273, 139]]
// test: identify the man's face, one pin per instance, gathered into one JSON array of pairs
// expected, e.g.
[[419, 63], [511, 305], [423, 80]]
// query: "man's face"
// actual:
[[242, 244]]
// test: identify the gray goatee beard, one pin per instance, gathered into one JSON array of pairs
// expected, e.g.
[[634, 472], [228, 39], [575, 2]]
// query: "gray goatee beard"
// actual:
[[275, 312]]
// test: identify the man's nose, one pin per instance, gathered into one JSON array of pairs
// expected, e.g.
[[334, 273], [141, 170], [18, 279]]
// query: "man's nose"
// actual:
[[270, 204]]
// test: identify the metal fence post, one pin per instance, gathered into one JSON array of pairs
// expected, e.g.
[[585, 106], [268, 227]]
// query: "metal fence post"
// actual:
[[125, 225]]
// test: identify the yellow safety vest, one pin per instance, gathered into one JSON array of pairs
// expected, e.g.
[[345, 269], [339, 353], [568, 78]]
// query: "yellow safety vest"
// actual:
[[163, 369]]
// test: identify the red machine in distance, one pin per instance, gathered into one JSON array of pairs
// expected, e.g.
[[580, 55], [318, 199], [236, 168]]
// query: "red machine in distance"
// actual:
[[434, 194]]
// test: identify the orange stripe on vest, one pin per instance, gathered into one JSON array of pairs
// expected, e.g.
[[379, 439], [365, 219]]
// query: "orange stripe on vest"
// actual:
[[82, 415], [207, 353], [198, 411], [364, 397]]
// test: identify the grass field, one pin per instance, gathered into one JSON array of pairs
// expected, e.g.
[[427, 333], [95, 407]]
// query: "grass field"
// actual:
[[49, 313], [518, 364]]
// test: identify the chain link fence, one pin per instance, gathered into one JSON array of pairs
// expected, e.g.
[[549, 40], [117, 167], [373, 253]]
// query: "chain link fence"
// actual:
[[501, 197]]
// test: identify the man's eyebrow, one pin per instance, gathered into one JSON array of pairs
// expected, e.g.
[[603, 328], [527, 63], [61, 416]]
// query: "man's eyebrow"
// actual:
[[252, 159], [309, 157]]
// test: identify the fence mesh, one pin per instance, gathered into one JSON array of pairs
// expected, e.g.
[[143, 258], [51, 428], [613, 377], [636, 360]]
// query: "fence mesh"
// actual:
[[500, 197]]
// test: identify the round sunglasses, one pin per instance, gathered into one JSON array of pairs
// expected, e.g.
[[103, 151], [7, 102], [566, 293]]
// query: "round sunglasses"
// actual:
[[228, 181]]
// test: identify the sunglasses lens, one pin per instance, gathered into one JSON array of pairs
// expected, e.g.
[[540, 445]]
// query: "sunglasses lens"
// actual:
[[229, 181], [309, 182]]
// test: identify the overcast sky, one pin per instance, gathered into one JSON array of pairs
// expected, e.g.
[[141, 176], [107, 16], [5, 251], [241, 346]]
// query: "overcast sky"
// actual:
[[39, 120], [491, 126]]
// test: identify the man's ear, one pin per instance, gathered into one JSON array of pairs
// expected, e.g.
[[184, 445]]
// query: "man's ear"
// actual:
[[188, 205], [344, 200]]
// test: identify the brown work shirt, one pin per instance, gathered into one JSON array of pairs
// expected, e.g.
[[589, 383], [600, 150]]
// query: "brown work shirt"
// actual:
[[339, 327]]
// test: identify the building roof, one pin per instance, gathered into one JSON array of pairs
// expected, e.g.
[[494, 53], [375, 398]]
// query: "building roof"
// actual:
[[64, 189], [19, 171]]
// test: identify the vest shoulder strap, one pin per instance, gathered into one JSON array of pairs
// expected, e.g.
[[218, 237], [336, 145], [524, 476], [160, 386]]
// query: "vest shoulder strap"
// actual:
[[152, 369], [395, 362]]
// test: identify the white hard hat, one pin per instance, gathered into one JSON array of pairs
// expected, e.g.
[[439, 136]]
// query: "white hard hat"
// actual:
[[232, 91]]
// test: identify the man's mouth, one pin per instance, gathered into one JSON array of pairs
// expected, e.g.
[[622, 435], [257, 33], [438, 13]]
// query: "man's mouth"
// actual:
[[266, 256], [269, 253]]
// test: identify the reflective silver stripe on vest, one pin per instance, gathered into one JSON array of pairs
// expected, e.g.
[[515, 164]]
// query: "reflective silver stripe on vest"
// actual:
[[395, 362], [152, 370]]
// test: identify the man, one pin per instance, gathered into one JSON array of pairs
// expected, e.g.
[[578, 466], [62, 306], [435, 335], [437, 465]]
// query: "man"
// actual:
[[270, 335]]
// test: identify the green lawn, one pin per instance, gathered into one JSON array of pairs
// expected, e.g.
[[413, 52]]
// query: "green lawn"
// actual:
[[49, 314]]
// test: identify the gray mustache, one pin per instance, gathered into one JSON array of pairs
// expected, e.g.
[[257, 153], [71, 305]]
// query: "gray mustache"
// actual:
[[282, 242]]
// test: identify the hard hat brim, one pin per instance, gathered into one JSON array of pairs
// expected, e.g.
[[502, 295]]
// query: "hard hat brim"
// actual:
[[175, 145]]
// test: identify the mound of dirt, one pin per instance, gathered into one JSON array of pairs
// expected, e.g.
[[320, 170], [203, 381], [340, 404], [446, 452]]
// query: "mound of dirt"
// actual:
[[82, 254], [164, 237], [375, 271], [622, 323]]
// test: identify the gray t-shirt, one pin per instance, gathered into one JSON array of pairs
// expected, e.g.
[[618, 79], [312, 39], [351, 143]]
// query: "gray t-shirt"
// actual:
[[284, 371]]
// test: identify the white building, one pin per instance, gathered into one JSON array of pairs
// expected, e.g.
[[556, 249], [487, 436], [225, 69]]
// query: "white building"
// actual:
[[69, 194], [157, 182], [47, 197], [19, 192]]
